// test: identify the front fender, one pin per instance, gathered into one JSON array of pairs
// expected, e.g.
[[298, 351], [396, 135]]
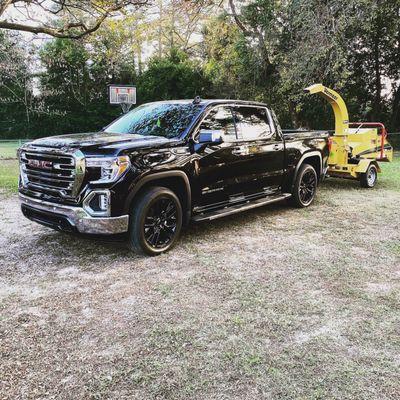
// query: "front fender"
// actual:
[[159, 176]]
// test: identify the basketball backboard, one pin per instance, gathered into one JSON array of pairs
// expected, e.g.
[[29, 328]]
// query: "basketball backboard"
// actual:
[[125, 95]]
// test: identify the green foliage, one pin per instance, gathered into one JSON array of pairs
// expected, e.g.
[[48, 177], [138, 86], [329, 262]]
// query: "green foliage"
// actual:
[[268, 51], [172, 77], [70, 88], [15, 87]]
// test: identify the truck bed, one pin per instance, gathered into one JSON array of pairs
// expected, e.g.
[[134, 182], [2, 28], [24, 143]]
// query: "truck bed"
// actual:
[[293, 134]]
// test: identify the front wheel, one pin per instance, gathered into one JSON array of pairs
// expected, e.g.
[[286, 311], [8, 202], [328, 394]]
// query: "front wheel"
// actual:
[[305, 186], [156, 221], [368, 180]]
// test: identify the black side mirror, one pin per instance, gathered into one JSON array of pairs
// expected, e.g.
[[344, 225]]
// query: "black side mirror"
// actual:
[[210, 137]]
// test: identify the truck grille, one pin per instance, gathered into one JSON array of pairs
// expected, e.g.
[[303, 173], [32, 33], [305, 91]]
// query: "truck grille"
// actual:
[[55, 174]]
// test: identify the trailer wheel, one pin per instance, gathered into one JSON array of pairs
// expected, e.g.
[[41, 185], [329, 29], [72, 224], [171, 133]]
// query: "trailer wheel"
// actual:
[[368, 180], [305, 186]]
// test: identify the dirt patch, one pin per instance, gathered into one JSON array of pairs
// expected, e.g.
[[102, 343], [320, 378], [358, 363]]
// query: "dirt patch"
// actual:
[[274, 303]]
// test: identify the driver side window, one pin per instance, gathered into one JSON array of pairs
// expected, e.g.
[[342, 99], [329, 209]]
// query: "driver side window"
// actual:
[[220, 121]]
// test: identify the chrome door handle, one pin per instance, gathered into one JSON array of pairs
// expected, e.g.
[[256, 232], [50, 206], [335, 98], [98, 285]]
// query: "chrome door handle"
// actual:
[[237, 152], [240, 151]]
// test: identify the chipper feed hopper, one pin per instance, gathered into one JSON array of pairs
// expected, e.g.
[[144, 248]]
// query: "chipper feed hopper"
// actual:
[[355, 147]]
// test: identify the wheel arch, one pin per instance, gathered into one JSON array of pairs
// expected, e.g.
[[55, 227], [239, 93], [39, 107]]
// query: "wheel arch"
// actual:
[[314, 158], [177, 181]]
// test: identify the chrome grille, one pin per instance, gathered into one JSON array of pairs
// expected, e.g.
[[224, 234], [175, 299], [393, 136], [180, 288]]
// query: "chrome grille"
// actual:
[[55, 174]]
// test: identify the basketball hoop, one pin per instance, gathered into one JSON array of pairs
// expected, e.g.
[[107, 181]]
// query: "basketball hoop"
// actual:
[[126, 107], [124, 95]]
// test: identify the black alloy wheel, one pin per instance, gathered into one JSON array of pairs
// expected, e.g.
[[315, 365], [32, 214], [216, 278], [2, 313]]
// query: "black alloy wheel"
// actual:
[[155, 221], [305, 187], [308, 186], [160, 223]]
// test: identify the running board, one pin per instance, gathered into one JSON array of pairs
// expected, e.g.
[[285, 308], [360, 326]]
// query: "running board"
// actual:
[[211, 215]]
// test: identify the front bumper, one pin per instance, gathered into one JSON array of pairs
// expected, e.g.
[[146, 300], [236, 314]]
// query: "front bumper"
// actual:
[[69, 218]]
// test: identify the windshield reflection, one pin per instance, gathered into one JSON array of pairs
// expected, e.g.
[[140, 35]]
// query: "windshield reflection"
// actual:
[[168, 120]]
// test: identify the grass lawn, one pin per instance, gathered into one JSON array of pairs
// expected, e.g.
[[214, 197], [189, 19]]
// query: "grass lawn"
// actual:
[[9, 175], [390, 176], [8, 150], [274, 303]]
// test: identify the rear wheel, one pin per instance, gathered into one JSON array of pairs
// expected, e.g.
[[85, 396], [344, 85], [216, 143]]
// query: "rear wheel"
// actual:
[[369, 179], [155, 222], [305, 186]]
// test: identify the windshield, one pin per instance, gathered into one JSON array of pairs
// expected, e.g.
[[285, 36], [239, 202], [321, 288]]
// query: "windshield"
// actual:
[[168, 120]]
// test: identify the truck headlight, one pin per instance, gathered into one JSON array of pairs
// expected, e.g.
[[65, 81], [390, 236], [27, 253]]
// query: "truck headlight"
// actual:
[[110, 168]]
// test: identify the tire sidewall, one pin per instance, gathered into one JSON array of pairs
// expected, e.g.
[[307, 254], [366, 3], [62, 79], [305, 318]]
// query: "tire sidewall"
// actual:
[[372, 166], [138, 216], [304, 168]]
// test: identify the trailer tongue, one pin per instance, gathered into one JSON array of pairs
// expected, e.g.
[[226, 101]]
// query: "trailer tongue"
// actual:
[[355, 147]]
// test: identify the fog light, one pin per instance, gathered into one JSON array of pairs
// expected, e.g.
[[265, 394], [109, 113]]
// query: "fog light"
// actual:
[[103, 202], [98, 203]]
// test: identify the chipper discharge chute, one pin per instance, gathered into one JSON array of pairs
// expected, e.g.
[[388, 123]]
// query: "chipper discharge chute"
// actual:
[[355, 147]]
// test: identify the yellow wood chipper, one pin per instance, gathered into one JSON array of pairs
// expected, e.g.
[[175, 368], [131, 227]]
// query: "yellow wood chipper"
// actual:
[[355, 147]]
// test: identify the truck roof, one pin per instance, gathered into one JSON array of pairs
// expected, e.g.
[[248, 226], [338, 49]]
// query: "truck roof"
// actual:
[[207, 102]]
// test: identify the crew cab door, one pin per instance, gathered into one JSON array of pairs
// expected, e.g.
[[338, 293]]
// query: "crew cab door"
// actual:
[[258, 151], [248, 161], [214, 175]]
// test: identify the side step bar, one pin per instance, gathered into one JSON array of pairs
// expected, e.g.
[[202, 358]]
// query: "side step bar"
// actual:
[[209, 216]]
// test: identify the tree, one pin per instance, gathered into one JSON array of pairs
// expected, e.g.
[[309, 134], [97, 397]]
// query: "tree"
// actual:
[[62, 18], [172, 77], [373, 58], [16, 86], [73, 89]]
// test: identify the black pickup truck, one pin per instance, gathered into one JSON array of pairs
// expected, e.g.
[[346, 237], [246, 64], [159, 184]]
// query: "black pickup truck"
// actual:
[[166, 163]]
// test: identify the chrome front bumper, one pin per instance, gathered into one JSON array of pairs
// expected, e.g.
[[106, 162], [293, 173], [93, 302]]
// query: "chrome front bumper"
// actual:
[[77, 217]]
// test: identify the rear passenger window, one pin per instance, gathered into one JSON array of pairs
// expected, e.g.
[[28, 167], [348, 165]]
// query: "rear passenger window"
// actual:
[[252, 123]]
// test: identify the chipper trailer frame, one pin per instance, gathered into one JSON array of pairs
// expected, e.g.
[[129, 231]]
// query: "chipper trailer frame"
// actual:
[[355, 147]]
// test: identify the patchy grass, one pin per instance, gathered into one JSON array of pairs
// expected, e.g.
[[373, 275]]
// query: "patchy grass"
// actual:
[[276, 303], [9, 175], [390, 174], [8, 149]]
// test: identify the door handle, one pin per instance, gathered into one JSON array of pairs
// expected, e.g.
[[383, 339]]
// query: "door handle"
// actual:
[[241, 150], [237, 152], [277, 147]]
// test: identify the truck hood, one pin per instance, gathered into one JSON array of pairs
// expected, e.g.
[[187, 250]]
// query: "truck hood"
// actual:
[[101, 140]]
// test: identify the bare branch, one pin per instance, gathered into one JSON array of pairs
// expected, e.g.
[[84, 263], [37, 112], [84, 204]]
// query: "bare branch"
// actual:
[[239, 23], [5, 5], [67, 12]]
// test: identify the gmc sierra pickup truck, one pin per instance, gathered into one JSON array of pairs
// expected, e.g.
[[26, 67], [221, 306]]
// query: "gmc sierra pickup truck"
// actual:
[[166, 163]]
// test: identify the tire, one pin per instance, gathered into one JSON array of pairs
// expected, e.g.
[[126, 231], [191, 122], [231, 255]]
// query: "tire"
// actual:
[[369, 179], [305, 187], [155, 221]]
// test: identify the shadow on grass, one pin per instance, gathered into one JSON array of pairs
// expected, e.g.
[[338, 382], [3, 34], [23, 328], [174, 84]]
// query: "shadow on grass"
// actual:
[[85, 248], [90, 247]]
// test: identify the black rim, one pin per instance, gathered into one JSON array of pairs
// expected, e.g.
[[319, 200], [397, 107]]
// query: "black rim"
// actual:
[[160, 223], [307, 188]]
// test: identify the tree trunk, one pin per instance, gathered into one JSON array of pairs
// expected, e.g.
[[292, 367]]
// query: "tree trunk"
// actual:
[[378, 81], [160, 8], [395, 120], [377, 105]]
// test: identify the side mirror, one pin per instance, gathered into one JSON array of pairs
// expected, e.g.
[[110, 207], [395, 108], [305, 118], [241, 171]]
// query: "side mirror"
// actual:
[[207, 136]]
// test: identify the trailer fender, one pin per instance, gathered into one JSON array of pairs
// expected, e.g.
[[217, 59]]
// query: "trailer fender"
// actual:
[[363, 165]]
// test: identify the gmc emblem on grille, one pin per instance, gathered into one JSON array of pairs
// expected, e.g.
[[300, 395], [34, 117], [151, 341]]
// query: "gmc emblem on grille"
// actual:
[[40, 164]]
